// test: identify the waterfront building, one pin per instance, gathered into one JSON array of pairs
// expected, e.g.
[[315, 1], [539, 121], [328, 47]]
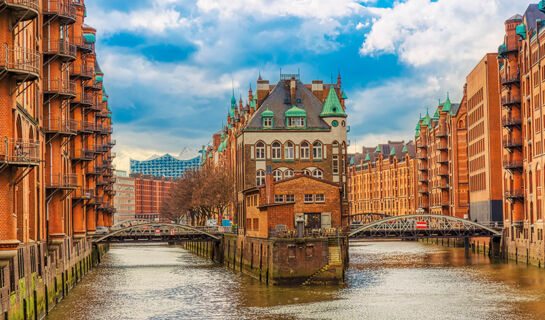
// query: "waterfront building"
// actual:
[[164, 166], [383, 180], [149, 195], [125, 200], [522, 98], [55, 151]]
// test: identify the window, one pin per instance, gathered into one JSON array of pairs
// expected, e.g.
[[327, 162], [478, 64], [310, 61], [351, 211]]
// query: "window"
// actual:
[[260, 178], [317, 151], [335, 164], [296, 122], [288, 150], [288, 173], [318, 174], [260, 150], [309, 198], [267, 122], [276, 151], [320, 197], [277, 175], [305, 150], [290, 198], [278, 198], [307, 172]]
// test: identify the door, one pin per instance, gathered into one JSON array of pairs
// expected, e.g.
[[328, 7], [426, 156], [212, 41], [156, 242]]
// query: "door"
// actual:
[[326, 219], [313, 220]]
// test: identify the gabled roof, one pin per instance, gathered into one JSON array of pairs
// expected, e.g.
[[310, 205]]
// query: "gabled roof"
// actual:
[[427, 119], [332, 105], [393, 152], [294, 111], [447, 105]]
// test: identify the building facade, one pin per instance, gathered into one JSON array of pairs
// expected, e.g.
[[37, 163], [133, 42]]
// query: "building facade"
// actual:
[[125, 200], [149, 195], [164, 166], [55, 147]]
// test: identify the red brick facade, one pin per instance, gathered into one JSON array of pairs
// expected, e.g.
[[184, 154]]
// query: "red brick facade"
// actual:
[[149, 194]]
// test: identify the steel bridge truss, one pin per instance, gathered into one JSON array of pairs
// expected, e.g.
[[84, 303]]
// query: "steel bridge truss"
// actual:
[[159, 232], [423, 226]]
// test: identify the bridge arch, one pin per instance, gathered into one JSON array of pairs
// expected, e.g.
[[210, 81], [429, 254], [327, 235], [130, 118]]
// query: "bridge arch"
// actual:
[[423, 226], [138, 230]]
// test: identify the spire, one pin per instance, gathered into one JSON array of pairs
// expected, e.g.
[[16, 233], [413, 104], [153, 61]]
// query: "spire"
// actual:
[[339, 78], [378, 149], [368, 157], [405, 149], [393, 152], [447, 106], [332, 105], [259, 78]]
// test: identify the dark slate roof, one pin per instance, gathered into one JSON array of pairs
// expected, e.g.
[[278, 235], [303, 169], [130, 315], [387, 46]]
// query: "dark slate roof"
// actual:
[[532, 14], [454, 108], [515, 17], [385, 150], [97, 67], [276, 102]]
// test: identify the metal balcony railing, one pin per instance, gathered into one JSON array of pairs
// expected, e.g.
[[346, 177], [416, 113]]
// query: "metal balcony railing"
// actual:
[[61, 180], [441, 132], [84, 98], [421, 144], [512, 164], [509, 101], [19, 152], [93, 170], [512, 142], [442, 145], [62, 9], [422, 167], [60, 86], [82, 154], [61, 48], [22, 7], [107, 130], [20, 62], [86, 46], [98, 127], [423, 189], [94, 85], [81, 71], [82, 193], [61, 126], [510, 79], [514, 194], [510, 121], [88, 126], [443, 171]]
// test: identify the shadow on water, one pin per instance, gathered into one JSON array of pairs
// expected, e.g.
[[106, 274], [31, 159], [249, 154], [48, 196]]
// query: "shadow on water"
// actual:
[[385, 280]]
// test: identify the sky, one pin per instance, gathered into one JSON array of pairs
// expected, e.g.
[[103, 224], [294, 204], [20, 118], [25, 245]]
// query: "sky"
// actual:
[[171, 65]]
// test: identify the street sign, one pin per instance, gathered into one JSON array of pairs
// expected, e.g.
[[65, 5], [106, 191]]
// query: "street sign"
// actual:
[[171, 231], [421, 225], [144, 227], [157, 231]]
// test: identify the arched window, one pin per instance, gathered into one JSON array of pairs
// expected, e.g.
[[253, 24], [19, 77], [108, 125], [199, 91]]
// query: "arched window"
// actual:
[[317, 151], [276, 151], [260, 178], [288, 150], [288, 173], [260, 150], [307, 172], [318, 174], [277, 175], [305, 150]]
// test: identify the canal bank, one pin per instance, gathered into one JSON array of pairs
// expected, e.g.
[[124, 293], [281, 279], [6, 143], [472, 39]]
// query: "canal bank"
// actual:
[[41, 275], [279, 261]]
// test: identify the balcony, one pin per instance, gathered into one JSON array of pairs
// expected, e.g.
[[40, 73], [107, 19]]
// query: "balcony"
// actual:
[[512, 164], [111, 143], [442, 159], [19, 152], [102, 114], [441, 133], [443, 171], [85, 46], [83, 194], [87, 127], [504, 50], [60, 87], [422, 178], [93, 170], [421, 144], [81, 71], [107, 130], [82, 155], [93, 85], [22, 10], [514, 194], [512, 142], [510, 79], [98, 128], [421, 156], [101, 181], [442, 146], [60, 126], [62, 10], [423, 189], [510, 101], [511, 121], [60, 48], [85, 99], [21, 63], [61, 181], [422, 167]]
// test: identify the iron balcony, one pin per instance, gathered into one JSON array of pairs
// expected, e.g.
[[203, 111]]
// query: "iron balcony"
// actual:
[[61, 48], [60, 126], [61, 181], [86, 47], [514, 194], [60, 87], [62, 10], [93, 171], [83, 194], [512, 164], [82, 155], [22, 10], [21, 63], [19, 152], [510, 101], [511, 143], [510, 79], [81, 71], [511, 121]]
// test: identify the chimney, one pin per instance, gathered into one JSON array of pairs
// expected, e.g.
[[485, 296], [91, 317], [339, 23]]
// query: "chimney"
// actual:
[[293, 87], [262, 91], [318, 88], [269, 185], [250, 94]]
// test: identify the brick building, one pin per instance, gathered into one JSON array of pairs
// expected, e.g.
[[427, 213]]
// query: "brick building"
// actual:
[[55, 146], [149, 194], [124, 201]]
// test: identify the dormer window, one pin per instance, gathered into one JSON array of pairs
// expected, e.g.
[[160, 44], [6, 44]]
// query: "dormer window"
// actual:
[[296, 122], [267, 119], [296, 118], [267, 122]]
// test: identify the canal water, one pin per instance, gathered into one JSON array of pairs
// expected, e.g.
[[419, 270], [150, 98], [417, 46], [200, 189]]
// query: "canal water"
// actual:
[[385, 280]]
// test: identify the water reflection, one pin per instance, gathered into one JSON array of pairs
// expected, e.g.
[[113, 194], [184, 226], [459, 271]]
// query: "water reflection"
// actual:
[[385, 280]]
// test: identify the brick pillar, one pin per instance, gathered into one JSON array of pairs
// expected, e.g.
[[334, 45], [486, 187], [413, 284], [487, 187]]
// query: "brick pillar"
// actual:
[[100, 218], [91, 220], [78, 217]]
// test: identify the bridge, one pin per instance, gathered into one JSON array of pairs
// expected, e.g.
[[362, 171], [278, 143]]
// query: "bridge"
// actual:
[[418, 226], [365, 218], [146, 231]]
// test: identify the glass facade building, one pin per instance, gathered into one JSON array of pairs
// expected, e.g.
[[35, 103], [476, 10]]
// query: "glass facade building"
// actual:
[[164, 166]]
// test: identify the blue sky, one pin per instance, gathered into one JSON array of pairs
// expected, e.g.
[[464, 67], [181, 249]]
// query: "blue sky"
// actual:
[[169, 64]]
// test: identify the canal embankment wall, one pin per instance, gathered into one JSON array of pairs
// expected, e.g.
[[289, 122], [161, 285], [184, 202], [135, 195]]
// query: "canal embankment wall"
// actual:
[[41, 275], [279, 261]]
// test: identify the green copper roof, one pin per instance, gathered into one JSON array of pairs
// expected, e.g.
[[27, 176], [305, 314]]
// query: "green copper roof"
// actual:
[[343, 95], [332, 105], [98, 79], [109, 109], [352, 160], [233, 99], [427, 119], [377, 149], [268, 113], [541, 6], [104, 98], [405, 149], [447, 106], [417, 133], [436, 114], [252, 104], [367, 158], [418, 125], [294, 111], [89, 37], [521, 31], [393, 152]]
